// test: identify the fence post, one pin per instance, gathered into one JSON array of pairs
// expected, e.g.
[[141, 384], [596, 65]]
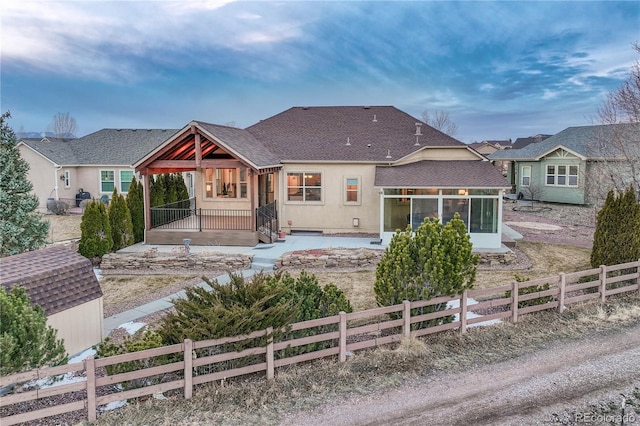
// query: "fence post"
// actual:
[[514, 301], [638, 279], [406, 317], [603, 283], [343, 336], [90, 369], [563, 290], [463, 312], [270, 361], [188, 368]]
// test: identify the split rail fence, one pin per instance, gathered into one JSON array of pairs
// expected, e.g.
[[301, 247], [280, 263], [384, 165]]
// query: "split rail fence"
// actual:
[[343, 334]]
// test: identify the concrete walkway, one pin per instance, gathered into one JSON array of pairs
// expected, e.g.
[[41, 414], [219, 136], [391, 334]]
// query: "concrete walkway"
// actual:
[[264, 257]]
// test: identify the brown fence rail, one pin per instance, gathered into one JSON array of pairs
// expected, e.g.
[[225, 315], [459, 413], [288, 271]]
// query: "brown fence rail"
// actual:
[[344, 333]]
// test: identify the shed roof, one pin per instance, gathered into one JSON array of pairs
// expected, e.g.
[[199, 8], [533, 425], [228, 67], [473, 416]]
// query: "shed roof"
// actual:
[[56, 278]]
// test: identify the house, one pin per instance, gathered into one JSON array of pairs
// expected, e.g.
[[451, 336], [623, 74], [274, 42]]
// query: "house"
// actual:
[[63, 283], [341, 169], [576, 166], [522, 142], [487, 147], [93, 165]]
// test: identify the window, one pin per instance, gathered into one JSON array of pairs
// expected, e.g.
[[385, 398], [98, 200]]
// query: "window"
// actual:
[[304, 186], [107, 180], [67, 179], [525, 176], [126, 176], [562, 175], [352, 190], [208, 183], [225, 183]]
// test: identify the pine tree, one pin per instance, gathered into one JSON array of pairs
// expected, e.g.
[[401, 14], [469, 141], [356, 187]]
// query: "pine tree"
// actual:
[[120, 222], [617, 236], [21, 228], [135, 202], [95, 231], [157, 191], [433, 261], [26, 342], [181, 188]]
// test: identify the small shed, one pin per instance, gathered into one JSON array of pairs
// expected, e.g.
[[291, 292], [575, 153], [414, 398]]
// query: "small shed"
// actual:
[[63, 283]]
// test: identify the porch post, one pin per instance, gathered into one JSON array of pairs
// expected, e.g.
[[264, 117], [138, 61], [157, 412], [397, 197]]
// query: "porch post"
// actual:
[[253, 178], [147, 203]]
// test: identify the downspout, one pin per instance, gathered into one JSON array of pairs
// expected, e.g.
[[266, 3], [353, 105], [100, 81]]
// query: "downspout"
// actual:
[[55, 179]]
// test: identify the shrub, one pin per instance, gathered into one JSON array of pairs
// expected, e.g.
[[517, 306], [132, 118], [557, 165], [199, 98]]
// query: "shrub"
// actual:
[[135, 202], [58, 207], [120, 222], [433, 261], [95, 231], [149, 340], [528, 290], [26, 342]]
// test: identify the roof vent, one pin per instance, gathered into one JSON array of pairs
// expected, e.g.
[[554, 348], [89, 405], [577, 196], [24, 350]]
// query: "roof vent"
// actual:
[[388, 154], [417, 141], [375, 119], [348, 142], [366, 107], [418, 129]]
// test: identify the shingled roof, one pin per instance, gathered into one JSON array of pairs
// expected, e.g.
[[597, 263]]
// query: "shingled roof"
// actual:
[[441, 174], [56, 277], [583, 140], [346, 133], [104, 147]]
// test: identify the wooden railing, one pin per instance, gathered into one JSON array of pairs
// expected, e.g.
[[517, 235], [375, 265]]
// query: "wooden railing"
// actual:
[[345, 332]]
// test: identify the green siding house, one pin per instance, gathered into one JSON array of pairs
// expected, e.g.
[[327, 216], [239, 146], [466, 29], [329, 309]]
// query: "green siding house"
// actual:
[[579, 165]]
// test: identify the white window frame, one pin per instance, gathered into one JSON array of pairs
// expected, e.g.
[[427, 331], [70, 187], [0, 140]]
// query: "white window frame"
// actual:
[[357, 191], [524, 175], [302, 187], [102, 191], [567, 176], [67, 179], [121, 189]]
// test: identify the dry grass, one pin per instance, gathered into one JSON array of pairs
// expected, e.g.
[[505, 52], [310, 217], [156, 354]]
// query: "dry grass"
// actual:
[[63, 227], [121, 290], [255, 401]]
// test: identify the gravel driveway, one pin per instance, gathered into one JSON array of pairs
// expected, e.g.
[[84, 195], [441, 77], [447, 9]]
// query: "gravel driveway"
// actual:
[[532, 389]]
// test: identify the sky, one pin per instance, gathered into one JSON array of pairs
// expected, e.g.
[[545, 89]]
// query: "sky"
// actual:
[[500, 70]]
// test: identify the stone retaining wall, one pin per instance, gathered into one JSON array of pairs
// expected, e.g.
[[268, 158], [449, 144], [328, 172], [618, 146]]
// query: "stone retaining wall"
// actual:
[[153, 262], [357, 258]]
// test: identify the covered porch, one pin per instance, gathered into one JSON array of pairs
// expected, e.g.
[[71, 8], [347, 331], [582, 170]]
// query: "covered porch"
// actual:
[[232, 199]]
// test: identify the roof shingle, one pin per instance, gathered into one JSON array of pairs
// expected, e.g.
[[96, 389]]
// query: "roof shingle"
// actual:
[[56, 277]]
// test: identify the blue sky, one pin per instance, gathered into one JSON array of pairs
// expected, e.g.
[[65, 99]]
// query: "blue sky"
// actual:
[[500, 69]]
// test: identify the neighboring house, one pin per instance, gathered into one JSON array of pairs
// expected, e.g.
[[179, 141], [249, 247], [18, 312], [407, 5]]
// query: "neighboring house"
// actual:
[[95, 164], [576, 166], [522, 142], [369, 170], [63, 283], [489, 147]]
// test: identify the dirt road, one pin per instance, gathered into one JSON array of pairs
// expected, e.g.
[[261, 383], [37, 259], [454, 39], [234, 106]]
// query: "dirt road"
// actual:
[[527, 390]]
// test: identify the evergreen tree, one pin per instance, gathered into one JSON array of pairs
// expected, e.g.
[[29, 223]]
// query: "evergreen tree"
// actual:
[[170, 189], [135, 202], [26, 342], [433, 261], [157, 191], [21, 228], [181, 187], [95, 231], [617, 236], [120, 222]]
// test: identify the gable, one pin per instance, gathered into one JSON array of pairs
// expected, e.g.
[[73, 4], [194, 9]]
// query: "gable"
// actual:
[[561, 153], [56, 278]]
